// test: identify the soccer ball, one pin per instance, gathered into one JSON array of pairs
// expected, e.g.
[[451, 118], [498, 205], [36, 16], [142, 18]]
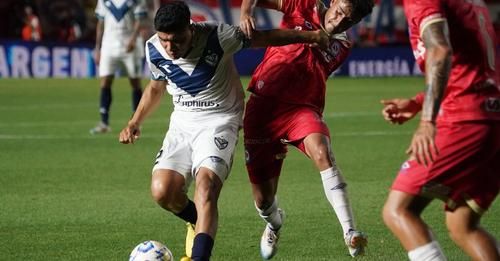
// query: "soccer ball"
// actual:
[[151, 251]]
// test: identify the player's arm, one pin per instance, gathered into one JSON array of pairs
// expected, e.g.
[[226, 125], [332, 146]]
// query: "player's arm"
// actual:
[[138, 24], [247, 20], [149, 102], [279, 37], [98, 39], [435, 35]]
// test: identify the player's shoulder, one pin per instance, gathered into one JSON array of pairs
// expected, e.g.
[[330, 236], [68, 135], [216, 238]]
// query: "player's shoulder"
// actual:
[[153, 39], [299, 5], [204, 27]]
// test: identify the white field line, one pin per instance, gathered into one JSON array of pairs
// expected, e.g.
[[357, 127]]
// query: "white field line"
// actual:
[[49, 106], [91, 122], [88, 123]]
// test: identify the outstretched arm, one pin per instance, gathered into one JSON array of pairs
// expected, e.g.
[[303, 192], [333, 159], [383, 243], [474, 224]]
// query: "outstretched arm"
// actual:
[[437, 69], [247, 20], [278, 37], [149, 102]]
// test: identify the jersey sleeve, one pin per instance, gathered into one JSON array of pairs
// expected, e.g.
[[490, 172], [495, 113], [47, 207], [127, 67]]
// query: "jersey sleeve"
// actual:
[[99, 10], [140, 10], [425, 12], [231, 38]]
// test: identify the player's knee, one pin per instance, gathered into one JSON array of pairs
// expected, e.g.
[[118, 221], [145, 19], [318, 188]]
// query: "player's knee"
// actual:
[[391, 214], [208, 186], [320, 155], [166, 196]]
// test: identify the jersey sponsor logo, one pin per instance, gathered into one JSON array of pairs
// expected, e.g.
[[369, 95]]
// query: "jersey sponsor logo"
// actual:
[[492, 104], [119, 12], [195, 103], [220, 142]]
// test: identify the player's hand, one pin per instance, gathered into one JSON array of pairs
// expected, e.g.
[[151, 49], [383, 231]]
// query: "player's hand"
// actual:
[[322, 40], [398, 111], [130, 46], [130, 133], [422, 147], [247, 25]]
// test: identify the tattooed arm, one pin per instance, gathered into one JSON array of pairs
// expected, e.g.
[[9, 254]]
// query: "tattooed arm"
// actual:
[[437, 69]]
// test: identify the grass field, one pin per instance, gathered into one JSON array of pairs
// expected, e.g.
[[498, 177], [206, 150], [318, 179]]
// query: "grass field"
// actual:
[[67, 195]]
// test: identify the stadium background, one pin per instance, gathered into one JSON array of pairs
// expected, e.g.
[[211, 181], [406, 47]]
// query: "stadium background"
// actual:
[[68, 33]]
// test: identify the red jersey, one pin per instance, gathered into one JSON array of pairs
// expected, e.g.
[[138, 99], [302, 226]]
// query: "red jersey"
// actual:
[[472, 92], [297, 73]]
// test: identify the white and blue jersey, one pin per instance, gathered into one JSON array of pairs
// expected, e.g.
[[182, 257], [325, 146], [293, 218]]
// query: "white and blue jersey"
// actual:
[[206, 80], [119, 17]]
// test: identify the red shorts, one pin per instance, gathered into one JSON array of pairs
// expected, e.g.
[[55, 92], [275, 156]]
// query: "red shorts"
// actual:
[[268, 127], [467, 167]]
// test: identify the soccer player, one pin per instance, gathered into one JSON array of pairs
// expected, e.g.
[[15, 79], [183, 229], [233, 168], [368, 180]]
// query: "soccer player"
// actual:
[[286, 106], [118, 45], [194, 63], [455, 152]]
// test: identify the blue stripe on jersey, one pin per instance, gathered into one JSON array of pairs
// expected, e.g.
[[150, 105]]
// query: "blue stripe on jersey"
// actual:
[[203, 72], [119, 12]]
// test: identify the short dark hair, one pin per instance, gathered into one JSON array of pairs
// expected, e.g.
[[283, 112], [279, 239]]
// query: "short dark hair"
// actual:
[[361, 9], [172, 17]]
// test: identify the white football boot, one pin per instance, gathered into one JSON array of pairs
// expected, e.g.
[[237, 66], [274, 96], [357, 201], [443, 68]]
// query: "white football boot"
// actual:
[[269, 239], [100, 129], [356, 242]]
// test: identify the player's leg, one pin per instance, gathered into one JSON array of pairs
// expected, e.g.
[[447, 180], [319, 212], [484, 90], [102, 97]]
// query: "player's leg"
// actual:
[[264, 154], [168, 190], [135, 83], [133, 65], [172, 177], [464, 228], [317, 147], [401, 215], [266, 203], [206, 195], [264, 162], [107, 68], [213, 145]]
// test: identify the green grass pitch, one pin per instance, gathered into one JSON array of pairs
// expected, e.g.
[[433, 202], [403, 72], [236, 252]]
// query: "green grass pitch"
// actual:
[[67, 195]]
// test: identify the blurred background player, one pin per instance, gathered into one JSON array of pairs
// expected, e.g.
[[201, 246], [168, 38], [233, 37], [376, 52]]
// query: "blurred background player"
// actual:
[[286, 106], [32, 30], [118, 45], [194, 63], [455, 151]]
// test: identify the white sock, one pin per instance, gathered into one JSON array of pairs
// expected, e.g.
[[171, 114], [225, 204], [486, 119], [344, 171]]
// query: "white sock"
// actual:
[[428, 252], [271, 215], [334, 186]]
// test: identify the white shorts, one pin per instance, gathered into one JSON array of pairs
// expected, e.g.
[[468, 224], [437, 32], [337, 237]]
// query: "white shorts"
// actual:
[[207, 142], [131, 63]]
